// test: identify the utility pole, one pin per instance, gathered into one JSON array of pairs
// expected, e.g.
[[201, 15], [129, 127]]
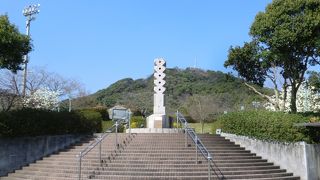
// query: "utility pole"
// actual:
[[29, 13]]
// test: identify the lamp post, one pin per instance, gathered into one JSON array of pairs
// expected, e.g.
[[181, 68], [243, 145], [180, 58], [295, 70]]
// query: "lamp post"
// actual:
[[29, 13]]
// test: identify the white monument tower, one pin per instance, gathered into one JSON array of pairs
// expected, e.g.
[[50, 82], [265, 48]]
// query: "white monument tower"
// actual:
[[158, 118]]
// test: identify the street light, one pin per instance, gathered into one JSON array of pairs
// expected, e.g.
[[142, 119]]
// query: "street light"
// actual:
[[29, 13]]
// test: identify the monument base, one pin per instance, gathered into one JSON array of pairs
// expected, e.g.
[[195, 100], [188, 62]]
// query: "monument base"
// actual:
[[155, 130], [157, 121]]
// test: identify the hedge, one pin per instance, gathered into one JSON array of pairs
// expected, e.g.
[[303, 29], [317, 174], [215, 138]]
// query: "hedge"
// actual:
[[265, 125], [103, 111], [34, 122]]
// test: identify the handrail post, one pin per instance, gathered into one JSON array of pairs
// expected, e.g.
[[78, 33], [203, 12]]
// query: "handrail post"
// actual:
[[209, 169], [129, 119], [177, 119], [100, 150], [196, 149], [117, 134], [129, 127], [79, 170], [185, 134]]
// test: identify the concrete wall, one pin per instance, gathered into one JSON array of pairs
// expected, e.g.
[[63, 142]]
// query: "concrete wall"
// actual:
[[18, 152], [300, 158], [313, 160]]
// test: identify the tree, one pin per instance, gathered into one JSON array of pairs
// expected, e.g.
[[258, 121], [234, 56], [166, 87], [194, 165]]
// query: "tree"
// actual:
[[314, 80], [314, 83], [39, 78], [290, 29], [42, 98], [288, 36], [7, 100], [255, 64], [307, 99], [10, 89], [13, 45], [202, 108], [72, 89]]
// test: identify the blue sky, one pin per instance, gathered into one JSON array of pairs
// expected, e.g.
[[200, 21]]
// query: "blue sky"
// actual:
[[100, 42]]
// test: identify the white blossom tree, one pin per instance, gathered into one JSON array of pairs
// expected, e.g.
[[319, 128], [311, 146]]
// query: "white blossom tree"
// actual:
[[307, 99], [42, 98]]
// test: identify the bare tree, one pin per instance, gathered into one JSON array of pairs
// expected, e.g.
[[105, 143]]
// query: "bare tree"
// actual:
[[73, 89], [7, 100], [202, 108], [9, 89], [140, 102], [273, 74], [38, 77]]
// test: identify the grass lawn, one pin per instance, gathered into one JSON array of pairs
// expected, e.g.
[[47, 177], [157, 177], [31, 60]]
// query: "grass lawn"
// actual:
[[207, 128]]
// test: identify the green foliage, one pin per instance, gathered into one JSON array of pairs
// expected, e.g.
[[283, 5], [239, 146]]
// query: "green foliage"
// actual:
[[314, 80], [289, 26], [289, 30], [110, 96], [103, 111], [94, 117], [13, 45], [137, 122], [35, 122], [286, 36], [267, 125], [175, 125], [106, 125], [247, 62]]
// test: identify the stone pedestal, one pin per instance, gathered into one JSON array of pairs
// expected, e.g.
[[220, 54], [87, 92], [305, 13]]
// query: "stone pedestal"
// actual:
[[155, 130], [157, 121]]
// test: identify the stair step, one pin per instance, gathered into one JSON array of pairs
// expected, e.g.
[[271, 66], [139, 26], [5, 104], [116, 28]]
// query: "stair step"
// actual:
[[153, 156]]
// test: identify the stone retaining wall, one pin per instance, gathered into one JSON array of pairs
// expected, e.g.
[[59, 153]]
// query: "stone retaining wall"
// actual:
[[18, 152], [300, 158]]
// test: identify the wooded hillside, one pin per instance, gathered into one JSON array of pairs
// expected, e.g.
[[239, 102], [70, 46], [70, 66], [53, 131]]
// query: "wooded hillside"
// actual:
[[228, 92]]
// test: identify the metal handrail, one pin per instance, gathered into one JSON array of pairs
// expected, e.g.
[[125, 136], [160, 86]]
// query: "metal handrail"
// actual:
[[199, 146], [93, 144]]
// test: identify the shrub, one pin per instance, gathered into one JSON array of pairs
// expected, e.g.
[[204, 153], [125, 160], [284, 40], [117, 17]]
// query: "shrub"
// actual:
[[174, 125], [94, 118], [103, 111], [137, 121], [134, 125], [106, 125], [36, 122], [267, 125]]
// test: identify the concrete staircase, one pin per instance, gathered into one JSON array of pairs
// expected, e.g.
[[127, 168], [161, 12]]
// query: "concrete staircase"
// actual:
[[154, 156]]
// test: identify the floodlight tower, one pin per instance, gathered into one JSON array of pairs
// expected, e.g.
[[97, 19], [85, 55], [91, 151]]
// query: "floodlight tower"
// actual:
[[29, 12]]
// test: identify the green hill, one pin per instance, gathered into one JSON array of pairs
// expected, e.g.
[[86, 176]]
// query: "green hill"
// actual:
[[228, 91]]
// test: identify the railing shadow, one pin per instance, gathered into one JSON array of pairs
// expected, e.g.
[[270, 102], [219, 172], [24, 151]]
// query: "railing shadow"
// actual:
[[119, 147]]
